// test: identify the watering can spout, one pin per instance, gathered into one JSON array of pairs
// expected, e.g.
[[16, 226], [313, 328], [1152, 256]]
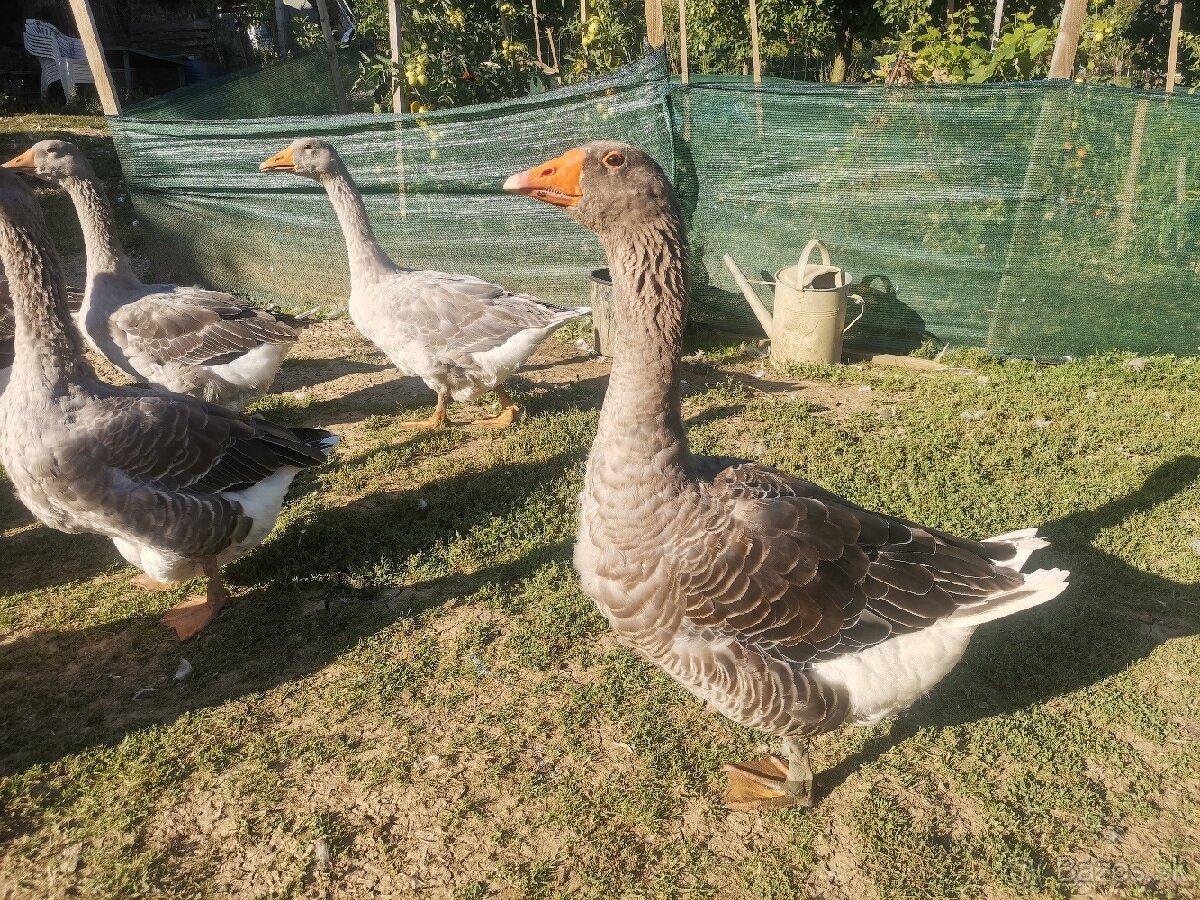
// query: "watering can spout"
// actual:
[[761, 312]]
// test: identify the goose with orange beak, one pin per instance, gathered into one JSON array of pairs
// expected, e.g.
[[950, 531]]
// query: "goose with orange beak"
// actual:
[[787, 608], [198, 342], [461, 335]]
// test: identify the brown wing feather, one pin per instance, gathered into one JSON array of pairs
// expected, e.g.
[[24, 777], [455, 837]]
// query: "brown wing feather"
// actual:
[[194, 327], [165, 460], [789, 567]]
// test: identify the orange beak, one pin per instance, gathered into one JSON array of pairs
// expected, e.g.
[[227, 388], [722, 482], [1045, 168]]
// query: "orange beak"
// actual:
[[280, 162], [25, 162], [555, 182]]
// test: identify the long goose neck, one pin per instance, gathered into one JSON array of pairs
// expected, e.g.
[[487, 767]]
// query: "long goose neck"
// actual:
[[49, 356], [105, 256], [368, 260], [641, 436]]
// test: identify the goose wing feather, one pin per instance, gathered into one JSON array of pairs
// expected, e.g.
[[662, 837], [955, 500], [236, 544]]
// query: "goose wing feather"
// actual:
[[193, 327], [473, 316], [803, 575], [164, 462]]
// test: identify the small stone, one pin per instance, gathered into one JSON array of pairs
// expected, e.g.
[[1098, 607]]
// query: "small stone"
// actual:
[[422, 504], [583, 345], [865, 389], [1168, 415], [973, 415], [183, 671], [145, 692], [1039, 422], [301, 396], [1195, 545], [983, 381], [761, 373], [1137, 363], [1092, 395], [71, 859], [1114, 834], [321, 853]]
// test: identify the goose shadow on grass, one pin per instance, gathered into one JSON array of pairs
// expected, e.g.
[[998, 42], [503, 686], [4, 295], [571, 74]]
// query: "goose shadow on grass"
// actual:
[[33, 558], [63, 691], [1111, 616]]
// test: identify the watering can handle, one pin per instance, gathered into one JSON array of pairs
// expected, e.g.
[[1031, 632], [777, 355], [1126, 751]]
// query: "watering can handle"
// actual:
[[862, 308], [805, 254]]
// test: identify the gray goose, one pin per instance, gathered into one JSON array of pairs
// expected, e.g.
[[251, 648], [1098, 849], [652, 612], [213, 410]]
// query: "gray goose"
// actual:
[[461, 335], [181, 486], [789, 609], [185, 339]]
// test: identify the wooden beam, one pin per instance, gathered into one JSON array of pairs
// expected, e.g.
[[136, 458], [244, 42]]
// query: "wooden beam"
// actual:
[[1070, 25], [996, 20], [92, 49], [585, 13], [339, 87], [396, 38], [683, 60], [656, 34], [1173, 53], [281, 26], [537, 34], [754, 57]]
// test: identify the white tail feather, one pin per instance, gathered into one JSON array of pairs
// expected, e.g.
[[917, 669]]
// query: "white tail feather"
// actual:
[[1038, 586], [1026, 542]]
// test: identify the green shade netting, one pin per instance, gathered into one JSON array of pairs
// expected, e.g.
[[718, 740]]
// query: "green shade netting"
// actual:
[[1047, 219]]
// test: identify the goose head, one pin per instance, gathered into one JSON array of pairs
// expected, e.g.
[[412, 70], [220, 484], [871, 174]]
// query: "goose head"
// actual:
[[605, 186], [310, 157], [53, 160]]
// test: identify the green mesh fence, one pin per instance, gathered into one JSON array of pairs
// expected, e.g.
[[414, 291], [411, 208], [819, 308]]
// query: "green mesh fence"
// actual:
[[1040, 220]]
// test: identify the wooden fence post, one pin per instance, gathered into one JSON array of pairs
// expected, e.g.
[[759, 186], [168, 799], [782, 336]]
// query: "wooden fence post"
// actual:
[[1070, 24], [339, 87], [996, 20], [396, 38], [656, 34], [281, 33], [1173, 53], [754, 57], [86, 24], [683, 59]]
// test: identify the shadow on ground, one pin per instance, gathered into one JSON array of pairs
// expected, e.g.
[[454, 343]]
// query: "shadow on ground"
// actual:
[[61, 691]]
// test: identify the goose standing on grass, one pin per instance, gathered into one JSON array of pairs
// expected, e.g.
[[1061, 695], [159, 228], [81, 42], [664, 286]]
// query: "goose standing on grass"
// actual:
[[460, 335], [181, 486], [184, 339], [786, 607]]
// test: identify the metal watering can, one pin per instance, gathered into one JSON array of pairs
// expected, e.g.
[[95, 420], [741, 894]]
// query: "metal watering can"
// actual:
[[810, 308]]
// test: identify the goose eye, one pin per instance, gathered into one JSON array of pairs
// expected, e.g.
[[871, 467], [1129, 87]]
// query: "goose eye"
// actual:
[[614, 160]]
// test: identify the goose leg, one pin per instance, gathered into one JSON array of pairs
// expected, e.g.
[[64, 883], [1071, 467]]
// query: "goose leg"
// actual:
[[196, 612], [509, 412], [438, 419], [772, 783]]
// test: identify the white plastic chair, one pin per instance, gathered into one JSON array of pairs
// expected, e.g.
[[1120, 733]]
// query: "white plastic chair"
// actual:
[[61, 57]]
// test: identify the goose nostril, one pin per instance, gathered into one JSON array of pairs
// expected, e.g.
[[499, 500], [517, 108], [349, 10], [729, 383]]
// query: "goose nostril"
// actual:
[[547, 172]]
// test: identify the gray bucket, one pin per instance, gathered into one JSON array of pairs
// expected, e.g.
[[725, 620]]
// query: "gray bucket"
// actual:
[[604, 314]]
